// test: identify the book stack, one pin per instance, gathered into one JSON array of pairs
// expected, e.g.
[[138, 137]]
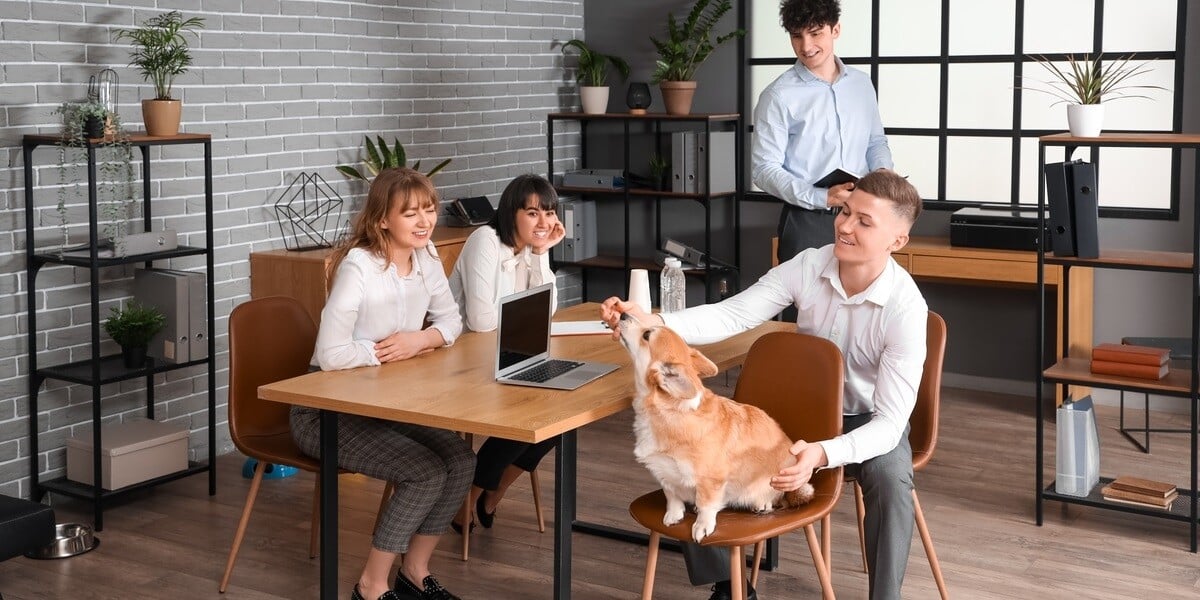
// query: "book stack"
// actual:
[[1140, 492], [1127, 360]]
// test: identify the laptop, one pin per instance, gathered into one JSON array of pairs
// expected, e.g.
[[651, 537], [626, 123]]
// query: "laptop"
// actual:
[[523, 346]]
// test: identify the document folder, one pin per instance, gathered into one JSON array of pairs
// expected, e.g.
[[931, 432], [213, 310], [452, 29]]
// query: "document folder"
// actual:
[[168, 292]]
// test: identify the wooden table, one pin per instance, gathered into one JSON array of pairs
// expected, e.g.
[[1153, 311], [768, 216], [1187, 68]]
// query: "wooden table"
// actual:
[[454, 388]]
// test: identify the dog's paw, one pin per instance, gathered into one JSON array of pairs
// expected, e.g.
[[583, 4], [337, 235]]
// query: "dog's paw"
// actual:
[[763, 509], [705, 524], [674, 513]]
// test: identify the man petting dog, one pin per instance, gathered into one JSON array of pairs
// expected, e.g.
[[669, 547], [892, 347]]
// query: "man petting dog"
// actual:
[[852, 293]]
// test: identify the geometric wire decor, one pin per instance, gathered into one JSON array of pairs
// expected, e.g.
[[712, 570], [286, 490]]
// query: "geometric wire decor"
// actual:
[[309, 212]]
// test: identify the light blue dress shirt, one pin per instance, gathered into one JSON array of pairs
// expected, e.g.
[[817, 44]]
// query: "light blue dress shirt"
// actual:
[[805, 127]]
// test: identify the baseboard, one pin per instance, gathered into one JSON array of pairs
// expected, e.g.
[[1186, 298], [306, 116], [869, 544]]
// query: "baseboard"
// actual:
[[988, 384]]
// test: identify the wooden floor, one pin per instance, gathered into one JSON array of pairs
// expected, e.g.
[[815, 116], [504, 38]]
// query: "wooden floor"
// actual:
[[978, 496]]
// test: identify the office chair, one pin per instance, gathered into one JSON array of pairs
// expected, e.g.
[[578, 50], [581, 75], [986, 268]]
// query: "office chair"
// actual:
[[270, 339], [922, 436], [798, 380]]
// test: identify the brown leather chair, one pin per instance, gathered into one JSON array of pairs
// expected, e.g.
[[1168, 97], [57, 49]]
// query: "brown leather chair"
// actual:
[[922, 436], [270, 339], [798, 380]]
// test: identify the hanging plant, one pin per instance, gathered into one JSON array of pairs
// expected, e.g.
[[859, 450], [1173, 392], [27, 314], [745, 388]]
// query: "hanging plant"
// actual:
[[114, 168]]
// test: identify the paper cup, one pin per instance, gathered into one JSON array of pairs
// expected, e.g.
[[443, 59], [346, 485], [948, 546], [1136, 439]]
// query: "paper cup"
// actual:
[[639, 288]]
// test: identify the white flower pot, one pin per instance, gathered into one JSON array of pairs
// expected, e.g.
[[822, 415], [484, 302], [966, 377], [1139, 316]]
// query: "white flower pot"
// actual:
[[594, 99], [1085, 120]]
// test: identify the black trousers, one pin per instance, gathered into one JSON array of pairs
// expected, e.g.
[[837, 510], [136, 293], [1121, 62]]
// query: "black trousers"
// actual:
[[497, 453], [801, 229]]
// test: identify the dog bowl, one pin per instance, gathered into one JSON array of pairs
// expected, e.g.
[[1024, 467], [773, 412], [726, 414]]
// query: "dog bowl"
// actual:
[[70, 539]]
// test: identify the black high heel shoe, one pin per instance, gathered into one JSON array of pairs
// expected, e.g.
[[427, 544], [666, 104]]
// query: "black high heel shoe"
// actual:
[[458, 528], [485, 518]]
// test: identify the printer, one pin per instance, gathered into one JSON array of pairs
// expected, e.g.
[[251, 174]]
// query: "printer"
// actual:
[[1005, 228]]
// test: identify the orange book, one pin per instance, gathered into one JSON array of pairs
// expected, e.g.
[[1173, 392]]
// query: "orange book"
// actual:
[[1106, 367], [1128, 353], [1111, 493]]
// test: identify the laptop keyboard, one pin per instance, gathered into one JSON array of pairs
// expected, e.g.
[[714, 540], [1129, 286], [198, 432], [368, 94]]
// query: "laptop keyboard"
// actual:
[[546, 371]]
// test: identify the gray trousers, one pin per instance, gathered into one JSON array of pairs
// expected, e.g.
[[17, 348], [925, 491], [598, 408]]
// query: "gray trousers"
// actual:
[[801, 229], [887, 483], [430, 469]]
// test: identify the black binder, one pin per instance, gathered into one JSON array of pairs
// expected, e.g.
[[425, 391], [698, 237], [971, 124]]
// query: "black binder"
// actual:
[[1074, 209]]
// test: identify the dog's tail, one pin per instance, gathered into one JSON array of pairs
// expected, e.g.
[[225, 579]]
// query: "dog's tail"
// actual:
[[799, 496]]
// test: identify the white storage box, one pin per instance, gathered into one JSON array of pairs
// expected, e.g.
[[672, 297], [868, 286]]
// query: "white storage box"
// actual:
[[132, 452]]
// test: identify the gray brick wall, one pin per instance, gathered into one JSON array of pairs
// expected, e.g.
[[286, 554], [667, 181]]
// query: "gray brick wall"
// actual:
[[283, 87]]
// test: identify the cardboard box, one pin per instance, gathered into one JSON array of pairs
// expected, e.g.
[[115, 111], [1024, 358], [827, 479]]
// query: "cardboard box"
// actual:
[[132, 452]]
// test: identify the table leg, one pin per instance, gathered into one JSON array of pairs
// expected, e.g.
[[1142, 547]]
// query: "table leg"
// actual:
[[564, 513], [329, 506]]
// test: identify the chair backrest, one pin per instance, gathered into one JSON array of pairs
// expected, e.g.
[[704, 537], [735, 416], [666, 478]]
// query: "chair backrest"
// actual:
[[923, 423], [798, 380], [270, 339]]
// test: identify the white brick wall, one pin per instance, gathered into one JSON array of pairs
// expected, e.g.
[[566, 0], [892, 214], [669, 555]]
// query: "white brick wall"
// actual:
[[283, 87]]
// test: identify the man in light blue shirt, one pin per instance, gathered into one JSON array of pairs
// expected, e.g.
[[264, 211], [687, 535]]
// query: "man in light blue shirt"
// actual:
[[816, 117]]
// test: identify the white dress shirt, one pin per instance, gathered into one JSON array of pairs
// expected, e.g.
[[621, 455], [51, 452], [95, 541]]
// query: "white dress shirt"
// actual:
[[370, 301], [487, 270], [880, 331], [805, 127]]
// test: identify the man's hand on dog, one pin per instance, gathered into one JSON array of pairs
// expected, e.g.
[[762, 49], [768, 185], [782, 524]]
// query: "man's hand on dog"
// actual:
[[809, 458], [612, 309]]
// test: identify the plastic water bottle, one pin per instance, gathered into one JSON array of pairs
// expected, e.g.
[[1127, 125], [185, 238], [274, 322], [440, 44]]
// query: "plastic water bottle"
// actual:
[[672, 286]]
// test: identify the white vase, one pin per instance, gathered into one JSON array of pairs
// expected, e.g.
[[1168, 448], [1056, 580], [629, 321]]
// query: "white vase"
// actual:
[[594, 99], [1085, 120]]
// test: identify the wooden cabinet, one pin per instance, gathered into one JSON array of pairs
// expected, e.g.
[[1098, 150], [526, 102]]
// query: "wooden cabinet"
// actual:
[[302, 274]]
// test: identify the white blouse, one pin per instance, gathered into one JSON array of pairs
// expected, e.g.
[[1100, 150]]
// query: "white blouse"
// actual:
[[370, 301], [488, 270]]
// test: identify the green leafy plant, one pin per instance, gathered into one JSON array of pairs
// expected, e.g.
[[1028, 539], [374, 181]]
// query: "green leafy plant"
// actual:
[[689, 43], [660, 165], [593, 66], [134, 325], [1089, 80], [114, 167], [379, 157], [160, 50]]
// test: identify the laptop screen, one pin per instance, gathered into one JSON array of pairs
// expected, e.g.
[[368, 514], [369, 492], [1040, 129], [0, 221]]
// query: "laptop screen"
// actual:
[[524, 326]]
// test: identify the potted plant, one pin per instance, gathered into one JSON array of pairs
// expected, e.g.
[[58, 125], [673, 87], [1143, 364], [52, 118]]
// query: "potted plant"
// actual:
[[687, 45], [593, 76], [133, 327], [90, 123], [1086, 83], [660, 167], [160, 52], [380, 156]]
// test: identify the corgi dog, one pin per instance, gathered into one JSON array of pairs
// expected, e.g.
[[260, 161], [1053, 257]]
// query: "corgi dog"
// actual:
[[704, 449]]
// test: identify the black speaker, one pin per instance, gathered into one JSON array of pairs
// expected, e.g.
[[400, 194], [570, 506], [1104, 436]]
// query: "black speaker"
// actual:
[[1074, 210]]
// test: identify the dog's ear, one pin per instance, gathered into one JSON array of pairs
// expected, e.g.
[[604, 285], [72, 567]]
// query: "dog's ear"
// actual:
[[673, 379], [704, 367]]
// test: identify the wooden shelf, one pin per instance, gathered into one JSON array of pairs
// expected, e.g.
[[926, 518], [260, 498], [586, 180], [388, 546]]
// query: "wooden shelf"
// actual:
[[646, 117], [1176, 262], [645, 192], [1078, 370], [1160, 140]]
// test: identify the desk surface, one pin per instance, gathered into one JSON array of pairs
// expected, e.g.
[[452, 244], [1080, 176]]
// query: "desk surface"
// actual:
[[454, 388]]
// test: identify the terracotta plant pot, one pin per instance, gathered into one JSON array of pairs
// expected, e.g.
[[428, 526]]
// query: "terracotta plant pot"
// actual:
[[162, 116], [677, 95]]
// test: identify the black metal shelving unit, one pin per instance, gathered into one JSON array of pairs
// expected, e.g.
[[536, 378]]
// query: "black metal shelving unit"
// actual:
[[1077, 371], [654, 123], [101, 370]]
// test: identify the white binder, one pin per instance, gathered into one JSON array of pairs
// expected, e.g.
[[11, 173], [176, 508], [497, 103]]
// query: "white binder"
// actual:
[[168, 292]]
